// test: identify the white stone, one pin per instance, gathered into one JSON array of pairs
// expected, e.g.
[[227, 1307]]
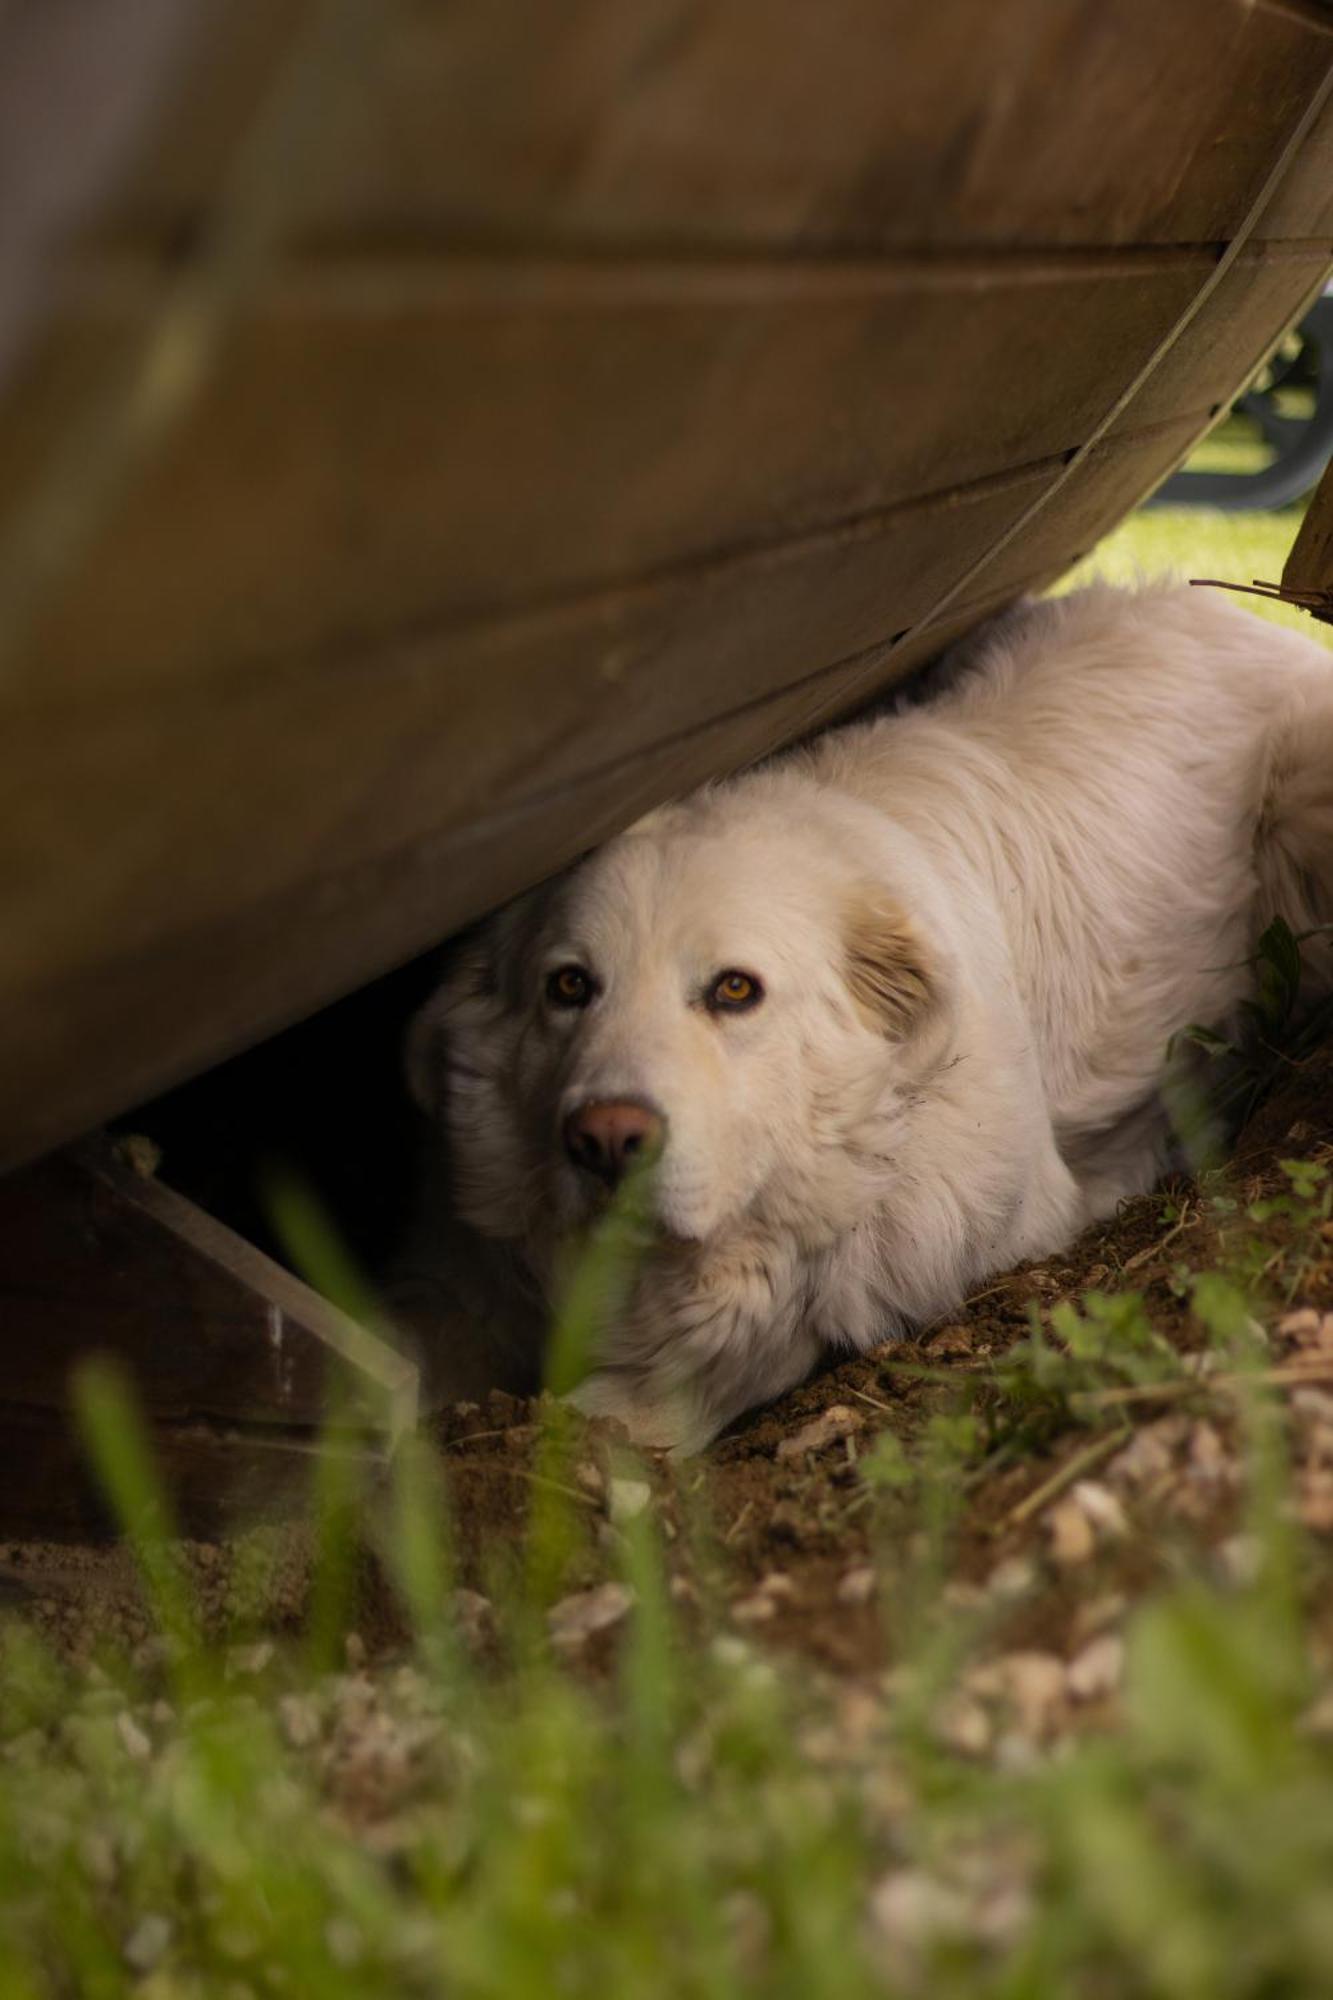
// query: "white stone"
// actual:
[[838, 1421], [575, 1619], [1095, 1672]]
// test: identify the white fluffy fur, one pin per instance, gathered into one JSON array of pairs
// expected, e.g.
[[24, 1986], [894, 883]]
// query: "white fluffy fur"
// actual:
[[978, 922]]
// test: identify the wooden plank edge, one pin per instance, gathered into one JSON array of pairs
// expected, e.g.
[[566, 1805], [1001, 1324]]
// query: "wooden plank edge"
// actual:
[[394, 1378]]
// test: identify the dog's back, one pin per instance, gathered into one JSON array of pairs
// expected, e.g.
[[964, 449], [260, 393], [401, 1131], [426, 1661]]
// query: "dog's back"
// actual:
[[1141, 781]]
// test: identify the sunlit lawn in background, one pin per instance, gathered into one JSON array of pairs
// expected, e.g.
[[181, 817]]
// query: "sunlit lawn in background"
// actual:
[[1197, 541]]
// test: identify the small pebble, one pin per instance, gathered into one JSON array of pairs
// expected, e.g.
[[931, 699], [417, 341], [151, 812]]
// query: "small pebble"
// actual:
[[627, 1499], [1314, 1405], [575, 1619], [137, 1743], [1096, 1671], [1209, 1458], [300, 1720], [1071, 1534], [756, 1609], [1032, 1683], [147, 1943], [838, 1421], [962, 1724], [1014, 1577], [1242, 1558], [1096, 1613], [1102, 1508], [1318, 1717], [913, 1908], [475, 1615], [250, 1659], [857, 1586]]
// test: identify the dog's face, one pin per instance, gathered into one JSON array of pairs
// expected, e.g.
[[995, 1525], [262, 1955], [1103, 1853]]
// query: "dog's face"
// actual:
[[722, 986]]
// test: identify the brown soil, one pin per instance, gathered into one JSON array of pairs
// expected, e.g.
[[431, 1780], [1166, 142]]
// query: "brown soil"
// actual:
[[777, 1520]]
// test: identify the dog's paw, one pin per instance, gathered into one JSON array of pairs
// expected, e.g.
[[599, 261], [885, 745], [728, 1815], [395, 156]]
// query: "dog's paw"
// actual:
[[653, 1420]]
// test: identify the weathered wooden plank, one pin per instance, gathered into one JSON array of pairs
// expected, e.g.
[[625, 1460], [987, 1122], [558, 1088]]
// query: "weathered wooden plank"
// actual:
[[537, 701], [768, 122], [219, 1478], [95, 1256], [1256, 300], [471, 439], [1303, 206], [151, 958], [1070, 519]]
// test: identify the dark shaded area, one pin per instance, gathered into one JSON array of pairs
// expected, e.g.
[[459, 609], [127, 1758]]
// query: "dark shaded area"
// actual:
[[326, 1098]]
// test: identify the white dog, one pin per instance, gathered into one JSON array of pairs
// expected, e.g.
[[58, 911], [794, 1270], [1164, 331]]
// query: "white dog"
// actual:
[[891, 1010]]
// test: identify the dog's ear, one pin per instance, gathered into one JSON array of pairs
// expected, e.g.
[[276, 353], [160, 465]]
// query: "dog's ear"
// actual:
[[889, 973], [469, 987], [423, 1056]]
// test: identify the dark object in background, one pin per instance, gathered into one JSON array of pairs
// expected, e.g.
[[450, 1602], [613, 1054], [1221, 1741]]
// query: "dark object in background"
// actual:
[[1302, 444]]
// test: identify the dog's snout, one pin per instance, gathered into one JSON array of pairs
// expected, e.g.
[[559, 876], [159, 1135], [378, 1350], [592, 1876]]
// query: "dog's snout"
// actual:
[[605, 1138]]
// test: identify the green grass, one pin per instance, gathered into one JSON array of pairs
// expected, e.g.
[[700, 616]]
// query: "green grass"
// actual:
[[701, 1823]]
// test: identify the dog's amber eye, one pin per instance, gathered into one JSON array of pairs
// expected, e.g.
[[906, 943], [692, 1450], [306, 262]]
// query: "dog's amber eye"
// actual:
[[733, 992], [569, 986]]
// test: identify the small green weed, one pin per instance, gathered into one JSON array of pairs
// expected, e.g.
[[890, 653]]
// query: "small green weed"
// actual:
[[1214, 1081]]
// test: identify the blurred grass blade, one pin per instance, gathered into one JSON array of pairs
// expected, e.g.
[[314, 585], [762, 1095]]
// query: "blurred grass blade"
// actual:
[[597, 1286], [419, 1553], [315, 1246], [116, 1438], [338, 1496]]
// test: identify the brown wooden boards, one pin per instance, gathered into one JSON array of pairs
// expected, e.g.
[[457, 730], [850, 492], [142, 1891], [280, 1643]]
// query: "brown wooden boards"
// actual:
[[637, 388], [776, 125], [387, 447], [230, 1355]]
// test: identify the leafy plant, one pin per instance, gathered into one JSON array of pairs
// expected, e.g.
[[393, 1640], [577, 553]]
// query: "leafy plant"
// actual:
[[1214, 1081]]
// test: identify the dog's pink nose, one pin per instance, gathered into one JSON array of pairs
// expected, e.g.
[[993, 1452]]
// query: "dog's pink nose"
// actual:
[[605, 1138]]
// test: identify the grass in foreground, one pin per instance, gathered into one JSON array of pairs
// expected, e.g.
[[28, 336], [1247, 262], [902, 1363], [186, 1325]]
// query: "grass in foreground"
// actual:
[[620, 1789]]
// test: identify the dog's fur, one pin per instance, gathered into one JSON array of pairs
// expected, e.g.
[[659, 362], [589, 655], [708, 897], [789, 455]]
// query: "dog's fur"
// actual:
[[977, 921]]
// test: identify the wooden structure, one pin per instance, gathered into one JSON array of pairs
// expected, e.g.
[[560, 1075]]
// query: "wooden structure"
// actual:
[[431, 433]]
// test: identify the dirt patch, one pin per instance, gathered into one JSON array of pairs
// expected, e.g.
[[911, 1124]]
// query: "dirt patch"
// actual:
[[788, 1520]]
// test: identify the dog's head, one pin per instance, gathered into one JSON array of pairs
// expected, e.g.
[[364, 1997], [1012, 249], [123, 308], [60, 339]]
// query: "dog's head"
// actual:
[[729, 987]]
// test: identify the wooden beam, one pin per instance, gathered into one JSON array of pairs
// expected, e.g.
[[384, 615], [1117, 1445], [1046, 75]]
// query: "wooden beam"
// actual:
[[763, 124], [233, 1358]]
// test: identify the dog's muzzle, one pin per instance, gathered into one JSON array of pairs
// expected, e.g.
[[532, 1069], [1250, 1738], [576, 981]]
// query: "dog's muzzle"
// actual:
[[606, 1139]]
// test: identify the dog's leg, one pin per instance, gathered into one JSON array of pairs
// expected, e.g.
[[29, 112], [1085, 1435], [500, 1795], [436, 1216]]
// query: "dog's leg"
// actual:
[[701, 1345]]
